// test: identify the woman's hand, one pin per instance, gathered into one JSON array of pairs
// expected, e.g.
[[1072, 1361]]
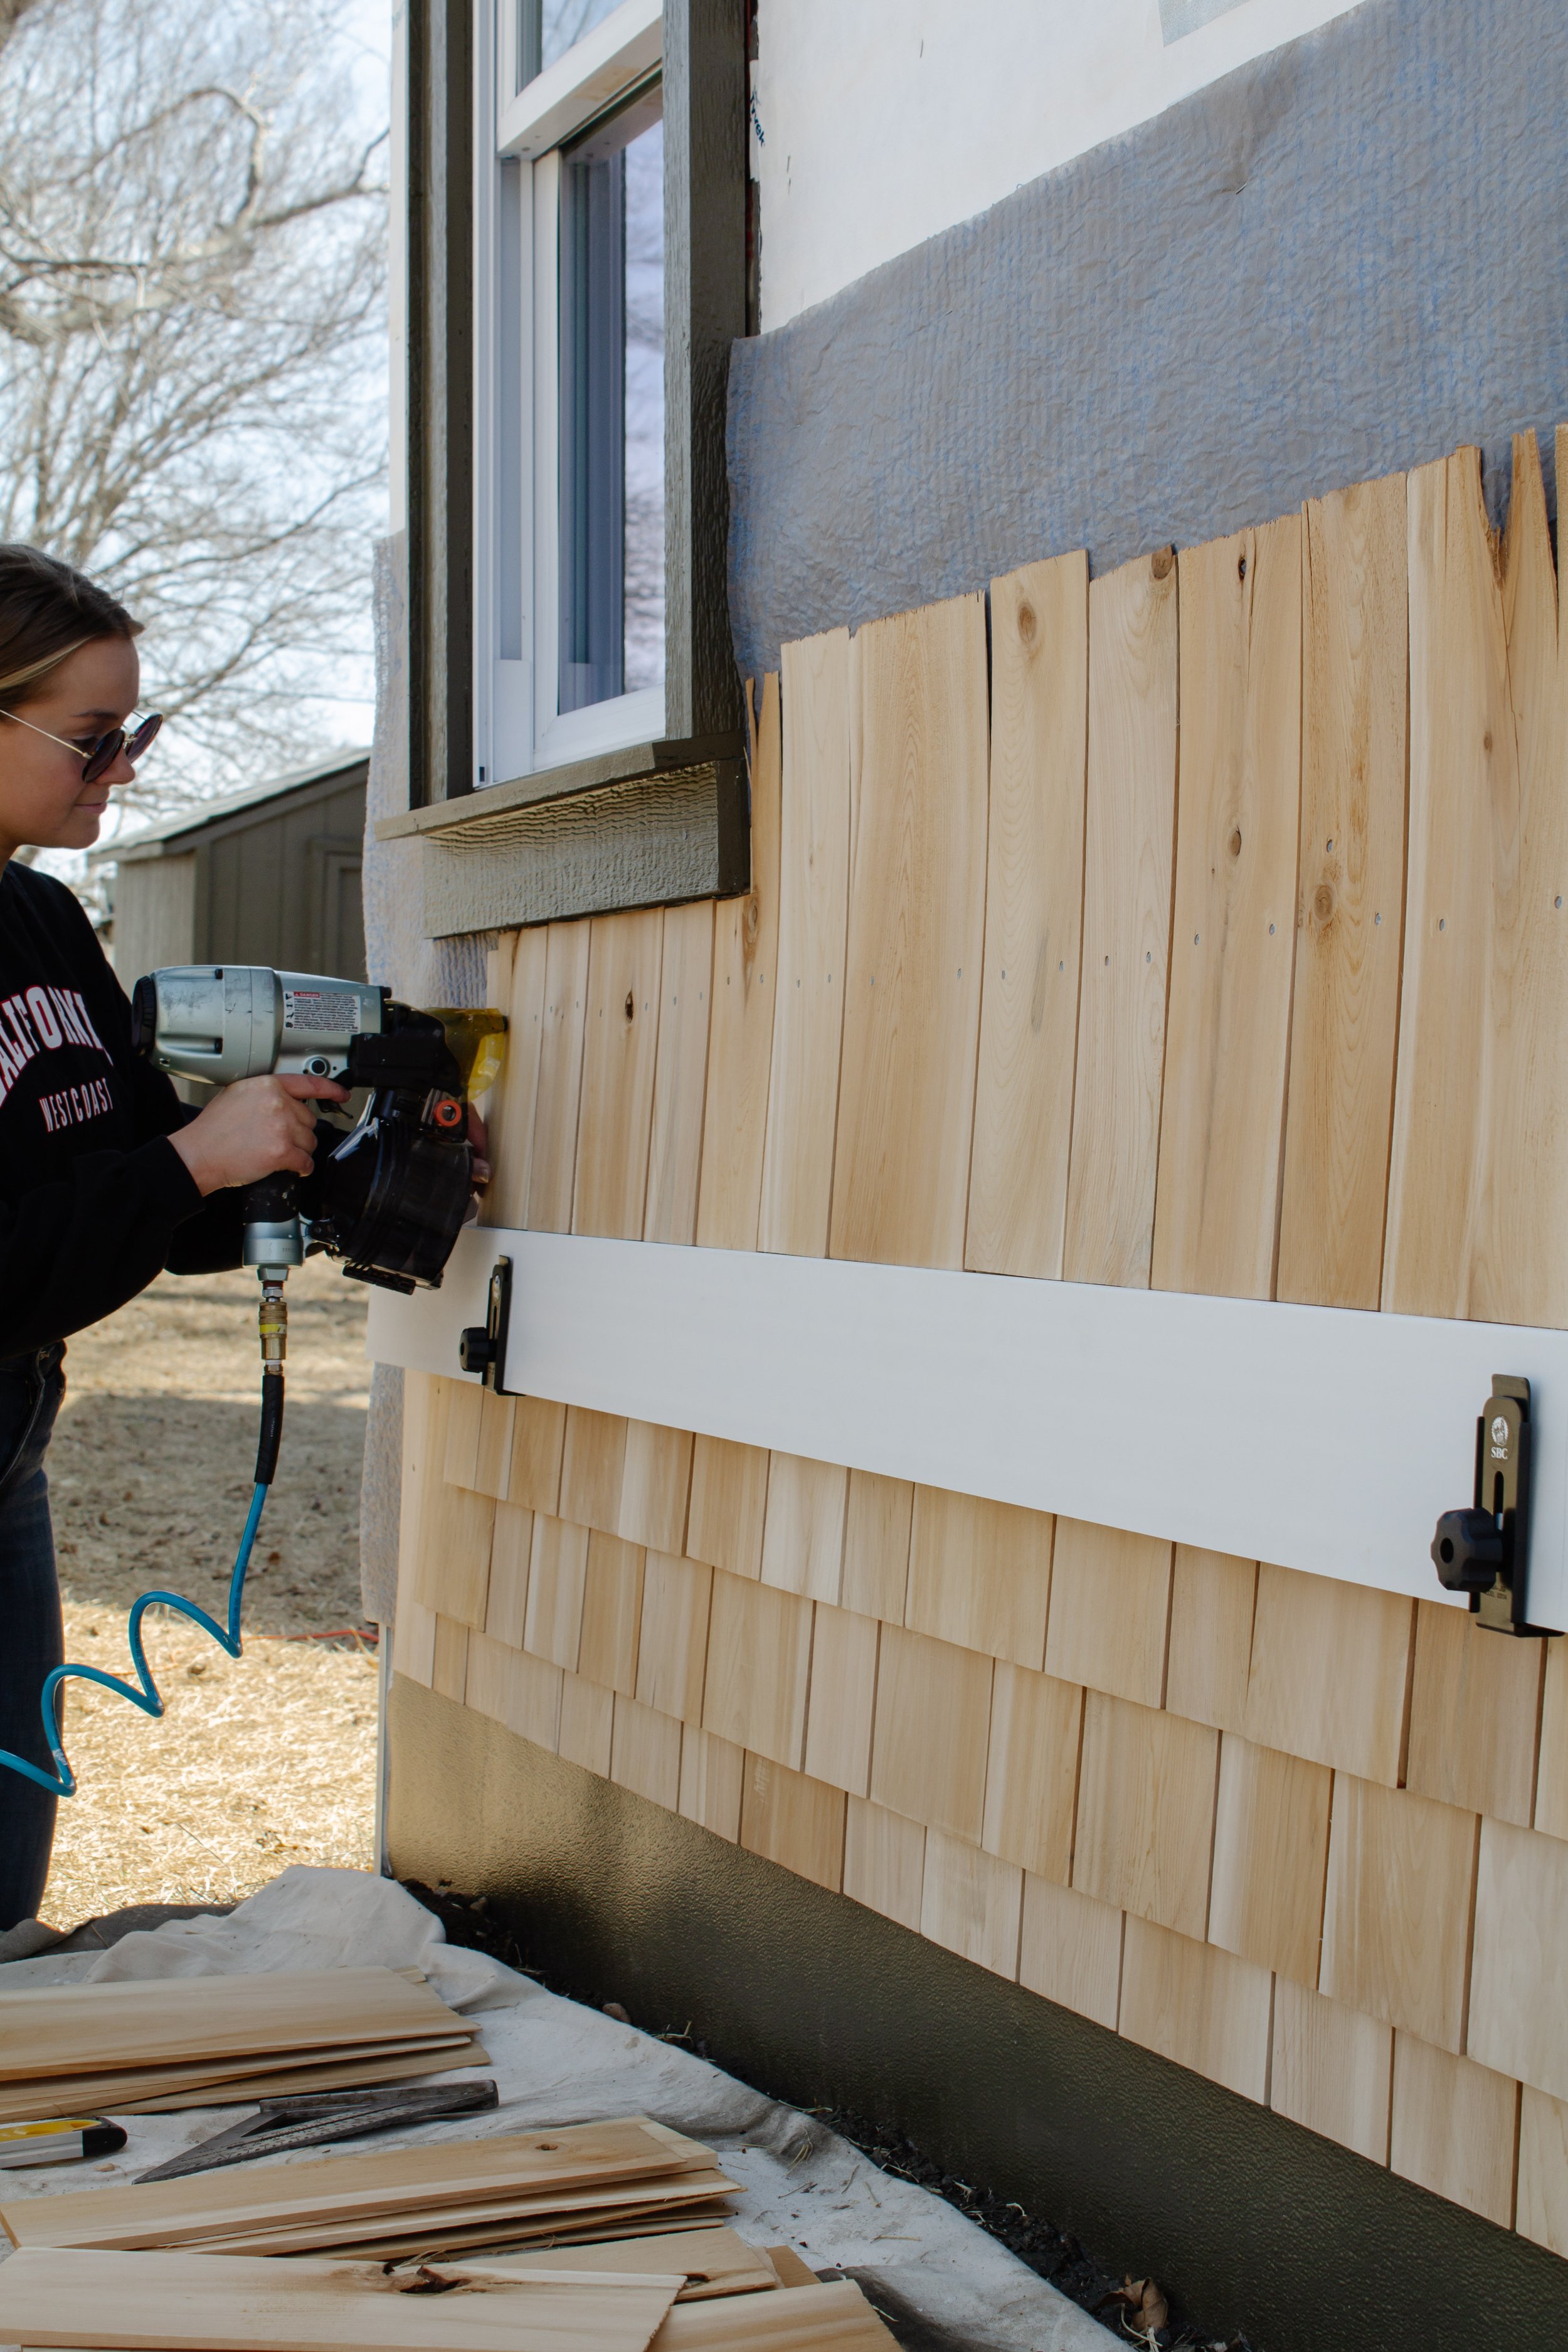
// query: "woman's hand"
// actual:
[[258, 1127]]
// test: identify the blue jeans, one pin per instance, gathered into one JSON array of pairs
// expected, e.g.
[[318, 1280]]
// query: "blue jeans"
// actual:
[[31, 1638]]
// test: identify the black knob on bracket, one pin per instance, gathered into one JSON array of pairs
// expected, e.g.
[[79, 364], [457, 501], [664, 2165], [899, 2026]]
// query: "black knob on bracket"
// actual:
[[1467, 1550], [1484, 1553], [482, 1346]]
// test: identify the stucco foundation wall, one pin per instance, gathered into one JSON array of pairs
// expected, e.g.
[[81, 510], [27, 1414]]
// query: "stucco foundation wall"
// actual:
[[1343, 259]]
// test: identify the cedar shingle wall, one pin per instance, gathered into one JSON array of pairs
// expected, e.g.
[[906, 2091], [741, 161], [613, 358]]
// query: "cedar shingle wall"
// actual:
[[1004, 996]]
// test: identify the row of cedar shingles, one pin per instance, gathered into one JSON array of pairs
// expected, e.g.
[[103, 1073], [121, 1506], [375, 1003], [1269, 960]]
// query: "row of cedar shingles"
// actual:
[[1193, 1059], [1001, 997], [982, 1801], [1320, 1670]]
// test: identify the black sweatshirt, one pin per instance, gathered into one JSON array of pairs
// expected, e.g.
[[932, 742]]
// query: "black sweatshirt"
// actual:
[[94, 1200]]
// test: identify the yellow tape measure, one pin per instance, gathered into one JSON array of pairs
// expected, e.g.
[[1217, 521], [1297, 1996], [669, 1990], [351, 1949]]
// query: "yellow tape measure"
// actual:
[[62, 2140]]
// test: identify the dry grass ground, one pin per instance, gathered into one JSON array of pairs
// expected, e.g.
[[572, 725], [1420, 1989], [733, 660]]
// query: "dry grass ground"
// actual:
[[259, 1761]]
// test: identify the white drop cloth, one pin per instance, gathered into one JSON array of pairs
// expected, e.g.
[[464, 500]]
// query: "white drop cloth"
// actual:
[[555, 2061]]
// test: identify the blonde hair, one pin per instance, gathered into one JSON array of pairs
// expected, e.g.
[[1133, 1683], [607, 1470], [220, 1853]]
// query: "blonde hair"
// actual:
[[48, 611]]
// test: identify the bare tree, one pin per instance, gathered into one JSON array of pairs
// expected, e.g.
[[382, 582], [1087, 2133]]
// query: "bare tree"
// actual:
[[11, 13], [644, 453], [191, 352]]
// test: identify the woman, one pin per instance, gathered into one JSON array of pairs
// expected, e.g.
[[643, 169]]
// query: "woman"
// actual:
[[106, 1177]]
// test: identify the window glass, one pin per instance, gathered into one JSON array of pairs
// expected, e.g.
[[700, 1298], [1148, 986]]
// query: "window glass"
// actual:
[[612, 408], [547, 29]]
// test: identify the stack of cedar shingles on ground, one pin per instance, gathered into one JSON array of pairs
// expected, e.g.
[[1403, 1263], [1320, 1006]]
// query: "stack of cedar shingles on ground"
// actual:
[[199, 2041], [218, 2303], [624, 2217], [585, 2181], [158, 2267]]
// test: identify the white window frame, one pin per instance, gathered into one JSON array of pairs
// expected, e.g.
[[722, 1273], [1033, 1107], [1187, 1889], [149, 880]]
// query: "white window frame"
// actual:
[[518, 727]]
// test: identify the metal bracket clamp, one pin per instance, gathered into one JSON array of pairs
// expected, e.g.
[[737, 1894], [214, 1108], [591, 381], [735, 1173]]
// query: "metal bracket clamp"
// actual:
[[1484, 1551], [482, 1348]]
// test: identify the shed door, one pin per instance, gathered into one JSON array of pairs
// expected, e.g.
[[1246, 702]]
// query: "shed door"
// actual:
[[338, 941]]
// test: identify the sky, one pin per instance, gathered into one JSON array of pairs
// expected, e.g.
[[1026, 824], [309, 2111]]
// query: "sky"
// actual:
[[368, 40]]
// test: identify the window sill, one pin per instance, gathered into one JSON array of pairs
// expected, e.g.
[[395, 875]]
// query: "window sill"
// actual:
[[574, 779], [651, 826]]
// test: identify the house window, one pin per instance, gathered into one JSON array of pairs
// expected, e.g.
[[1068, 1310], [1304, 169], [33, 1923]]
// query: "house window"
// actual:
[[569, 471], [611, 408], [572, 282]]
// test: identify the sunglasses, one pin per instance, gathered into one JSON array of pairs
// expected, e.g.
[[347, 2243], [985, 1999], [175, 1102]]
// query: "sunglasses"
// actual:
[[104, 750]]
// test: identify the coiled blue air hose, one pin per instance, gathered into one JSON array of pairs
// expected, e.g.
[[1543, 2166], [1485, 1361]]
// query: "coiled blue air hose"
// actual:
[[61, 1783]]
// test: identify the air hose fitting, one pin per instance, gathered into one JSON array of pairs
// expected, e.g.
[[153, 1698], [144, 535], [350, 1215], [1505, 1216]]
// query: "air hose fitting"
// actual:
[[272, 1322]]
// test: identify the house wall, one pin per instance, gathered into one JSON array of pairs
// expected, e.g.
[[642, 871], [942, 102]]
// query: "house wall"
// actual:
[[1162, 885], [1003, 997], [1339, 260], [876, 127]]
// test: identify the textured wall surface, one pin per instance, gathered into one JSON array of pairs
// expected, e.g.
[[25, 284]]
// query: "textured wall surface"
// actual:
[[423, 971], [393, 932], [1343, 259]]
